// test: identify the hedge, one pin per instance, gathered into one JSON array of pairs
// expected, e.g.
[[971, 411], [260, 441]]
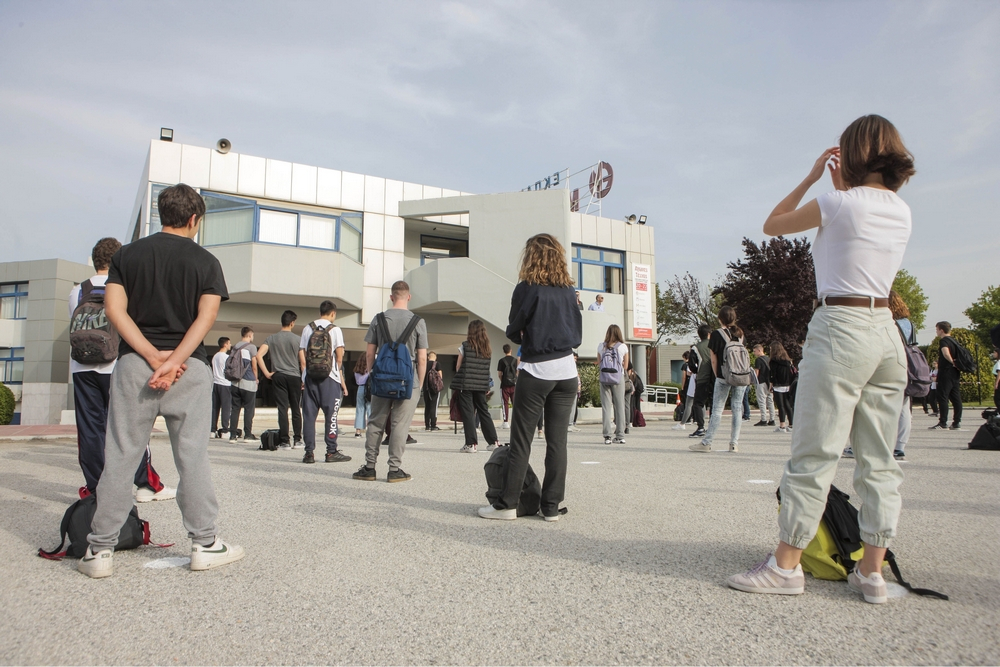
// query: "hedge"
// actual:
[[7, 403]]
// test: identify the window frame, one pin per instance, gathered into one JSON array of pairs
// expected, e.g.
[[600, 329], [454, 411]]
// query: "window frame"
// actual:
[[16, 295], [579, 263], [11, 358]]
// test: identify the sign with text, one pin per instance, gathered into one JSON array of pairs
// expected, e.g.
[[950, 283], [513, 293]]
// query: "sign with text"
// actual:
[[642, 302]]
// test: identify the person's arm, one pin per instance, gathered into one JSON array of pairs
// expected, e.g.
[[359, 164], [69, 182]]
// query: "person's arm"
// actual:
[[171, 369], [715, 362], [517, 318], [421, 366], [302, 361], [458, 363], [370, 357], [116, 309], [787, 218], [946, 353], [253, 365], [261, 351], [625, 360]]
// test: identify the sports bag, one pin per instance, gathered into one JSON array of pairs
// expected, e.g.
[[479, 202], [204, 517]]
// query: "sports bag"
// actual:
[[988, 436], [392, 372], [736, 369], [963, 359], [611, 366], [918, 371], [236, 366], [638, 420], [269, 440], [496, 470], [319, 353], [92, 339], [76, 525]]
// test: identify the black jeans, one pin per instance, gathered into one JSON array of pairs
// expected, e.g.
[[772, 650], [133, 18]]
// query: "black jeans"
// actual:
[[247, 400], [996, 397], [473, 404], [430, 408], [948, 390], [703, 392], [287, 394], [783, 404], [534, 397], [222, 400]]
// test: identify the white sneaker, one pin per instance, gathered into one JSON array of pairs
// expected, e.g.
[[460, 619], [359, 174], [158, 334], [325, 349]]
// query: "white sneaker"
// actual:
[[145, 494], [284, 445], [872, 587], [298, 444], [490, 447], [679, 427], [733, 447], [573, 428], [469, 449], [554, 517], [216, 555], [607, 440], [97, 566], [505, 425], [700, 447], [490, 512], [781, 429], [618, 441]]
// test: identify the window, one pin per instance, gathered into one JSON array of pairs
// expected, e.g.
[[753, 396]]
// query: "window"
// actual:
[[154, 208], [278, 227], [227, 220], [11, 365], [14, 301], [440, 247], [599, 270], [350, 235]]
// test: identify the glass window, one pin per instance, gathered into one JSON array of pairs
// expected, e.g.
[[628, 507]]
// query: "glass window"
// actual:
[[277, 227], [14, 301], [592, 277], [591, 254], [316, 232], [599, 270], [611, 257], [350, 242], [11, 365], [154, 209], [222, 227]]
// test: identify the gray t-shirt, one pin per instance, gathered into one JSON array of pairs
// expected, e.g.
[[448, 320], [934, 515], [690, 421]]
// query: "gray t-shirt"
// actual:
[[284, 350], [397, 319]]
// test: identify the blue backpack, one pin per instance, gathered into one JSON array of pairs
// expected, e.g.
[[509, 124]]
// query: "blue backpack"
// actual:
[[392, 372]]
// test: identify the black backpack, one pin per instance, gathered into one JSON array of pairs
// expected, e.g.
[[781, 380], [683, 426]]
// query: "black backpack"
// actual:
[[963, 359], [76, 524], [269, 440], [988, 435], [496, 469], [92, 339]]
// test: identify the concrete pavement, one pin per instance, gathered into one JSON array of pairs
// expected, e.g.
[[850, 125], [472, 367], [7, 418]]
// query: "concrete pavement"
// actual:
[[340, 571]]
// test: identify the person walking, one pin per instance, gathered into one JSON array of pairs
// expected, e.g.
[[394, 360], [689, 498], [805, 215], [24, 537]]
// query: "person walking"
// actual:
[[285, 379], [765, 399], [507, 372], [472, 381], [704, 380], [362, 406], [320, 361], [717, 342], [244, 390], [948, 388], [853, 372], [222, 396], [612, 360], [781, 384], [433, 385], [545, 321]]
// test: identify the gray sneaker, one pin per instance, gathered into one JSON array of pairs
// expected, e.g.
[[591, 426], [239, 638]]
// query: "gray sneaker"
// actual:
[[762, 578], [700, 447], [872, 587]]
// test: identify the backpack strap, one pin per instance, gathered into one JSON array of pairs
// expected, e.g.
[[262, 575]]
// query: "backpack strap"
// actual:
[[925, 592], [58, 553], [408, 331], [383, 327]]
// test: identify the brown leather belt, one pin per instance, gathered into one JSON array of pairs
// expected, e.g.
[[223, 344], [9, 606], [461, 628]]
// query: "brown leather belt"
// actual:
[[856, 301]]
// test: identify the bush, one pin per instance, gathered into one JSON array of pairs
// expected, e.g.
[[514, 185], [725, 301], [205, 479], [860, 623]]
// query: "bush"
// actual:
[[6, 405], [590, 386], [975, 386]]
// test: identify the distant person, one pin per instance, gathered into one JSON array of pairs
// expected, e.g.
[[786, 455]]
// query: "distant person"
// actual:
[[948, 379], [717, 342], [687, 384], [285, 379], [931, 398], [222, 396], [507, 373], [546, 322], [782, 377], [92, 381], [362, 406], [472, 381], [704, 379], [163, 295], [612, 360], [629, 390], [322, 391], [908, 334], [598, 303], [765, 400], [638, 390], [244, 390], [578, 301], [433, 384], [995, 356]]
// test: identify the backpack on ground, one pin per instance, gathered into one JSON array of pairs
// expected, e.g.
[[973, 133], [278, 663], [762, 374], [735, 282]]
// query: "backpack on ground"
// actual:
[[611, 366], [736, 369], [92, 339], [988, 435], [319, 353], [236, 366], [832, 554], [918, 371], [531, 493], [392, 372], [963, 358], [76, 525], [269, 440]]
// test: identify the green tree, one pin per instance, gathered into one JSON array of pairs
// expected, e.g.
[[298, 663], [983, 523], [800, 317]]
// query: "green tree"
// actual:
[[906, 286], [984, 314]]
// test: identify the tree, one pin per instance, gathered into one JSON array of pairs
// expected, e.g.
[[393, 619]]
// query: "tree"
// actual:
[[906, 286], [668, 319], [686, 304], [984, 314], [772, 289]]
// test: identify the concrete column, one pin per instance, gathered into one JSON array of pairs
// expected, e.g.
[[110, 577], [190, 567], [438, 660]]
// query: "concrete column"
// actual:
[[638, 354]]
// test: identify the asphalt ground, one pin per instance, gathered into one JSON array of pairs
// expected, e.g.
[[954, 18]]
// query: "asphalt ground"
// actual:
[[348, 572]]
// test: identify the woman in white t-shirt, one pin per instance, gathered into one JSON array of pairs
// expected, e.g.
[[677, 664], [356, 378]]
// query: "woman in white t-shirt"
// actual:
[[853, 370], [613, 393]]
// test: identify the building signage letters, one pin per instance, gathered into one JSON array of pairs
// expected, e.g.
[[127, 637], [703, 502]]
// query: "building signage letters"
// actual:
[[546, 183], [642, 302]]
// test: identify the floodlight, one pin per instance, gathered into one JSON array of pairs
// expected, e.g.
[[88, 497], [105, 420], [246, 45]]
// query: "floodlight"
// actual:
[[166, 134], [642, 219]]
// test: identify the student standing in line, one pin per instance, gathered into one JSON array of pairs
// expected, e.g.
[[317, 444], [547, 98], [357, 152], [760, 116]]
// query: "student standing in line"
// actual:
[[163, 295], [507, 372], [995, 355], [853, 373], [222, 397], [781, 383], [687, 390], [244, 390], [612, 360], [901, 313], [545, 321], [932, 394], [703, 380], [433, 384], [327, 393], [472, 381], [287, 383], [765, 399], [362, 407], [638, 390], [721, 391], [948, 379]]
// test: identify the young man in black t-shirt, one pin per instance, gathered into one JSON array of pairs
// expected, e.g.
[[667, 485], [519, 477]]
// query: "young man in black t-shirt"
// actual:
[[947, 379], [507, 370], [163, 295]]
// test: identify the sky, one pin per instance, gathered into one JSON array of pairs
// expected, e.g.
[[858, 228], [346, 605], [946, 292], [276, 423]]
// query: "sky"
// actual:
[[709, 112]]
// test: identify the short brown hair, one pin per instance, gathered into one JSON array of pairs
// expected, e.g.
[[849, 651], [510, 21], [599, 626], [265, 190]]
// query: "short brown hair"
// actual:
[[245, 330], [177, 204], [872, 145], [399, 288], [103, 252], [543, 262], [943, 326], [898, 306]]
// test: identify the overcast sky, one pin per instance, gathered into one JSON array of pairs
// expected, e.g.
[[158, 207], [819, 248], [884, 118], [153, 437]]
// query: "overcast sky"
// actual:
[[709, 112]]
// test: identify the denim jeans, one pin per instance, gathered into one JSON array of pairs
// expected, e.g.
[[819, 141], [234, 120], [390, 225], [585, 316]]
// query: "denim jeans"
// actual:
[[718, 404]]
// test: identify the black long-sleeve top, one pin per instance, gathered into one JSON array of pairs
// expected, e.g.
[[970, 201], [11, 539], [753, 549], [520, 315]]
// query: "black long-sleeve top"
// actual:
[[545, 321]]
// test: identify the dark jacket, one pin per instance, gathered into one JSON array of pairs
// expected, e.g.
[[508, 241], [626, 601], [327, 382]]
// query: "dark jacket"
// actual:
[[545, 321], [474, 375], [781, 373]]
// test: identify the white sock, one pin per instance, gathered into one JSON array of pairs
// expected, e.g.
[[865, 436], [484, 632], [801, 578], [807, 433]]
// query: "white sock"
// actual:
[[773, 563]]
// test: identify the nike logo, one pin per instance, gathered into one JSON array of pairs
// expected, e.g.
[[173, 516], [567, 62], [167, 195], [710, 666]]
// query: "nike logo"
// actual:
[[221, 550]]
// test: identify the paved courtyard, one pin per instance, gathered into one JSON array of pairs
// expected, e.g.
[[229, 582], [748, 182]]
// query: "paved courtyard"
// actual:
[[339, 571]]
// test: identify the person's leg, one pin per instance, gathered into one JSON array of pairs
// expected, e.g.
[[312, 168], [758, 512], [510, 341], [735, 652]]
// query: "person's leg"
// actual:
[[294, 386], [427, 409], [281, 401], [216, 406], [226, 406], [701, 392], [558, 404], [402, 417], [531, 396], [90, 398], [996, 398], [943, 389], [468, 416], [234, 414], [739, 393], [249, 407], [331, 396], [434, 412], [607, 409], [618, 400], [485, 420], [719, 396], [745, 412], [779, 401], [504, 405], [360, 411], [310, 409], [688, 405], [956, 400], [903, 427], [770, 405], [377, 420]]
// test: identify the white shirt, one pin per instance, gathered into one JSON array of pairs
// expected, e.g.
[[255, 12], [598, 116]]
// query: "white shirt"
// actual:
[[74, 301], [336, 338], [597, 306], [552, 370], [861, 241], [219, 369]]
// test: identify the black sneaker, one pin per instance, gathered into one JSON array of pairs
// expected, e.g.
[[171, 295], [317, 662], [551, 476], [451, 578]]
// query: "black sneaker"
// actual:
[[761, 423], [770, 423], [232, 438], [365, 474], [899, 456], [435, 428], [385, 443], [697, 433], [250, 437], [336, 457], [410, 441], [309, 458], [397, 476], [956, 427], [937, 427]]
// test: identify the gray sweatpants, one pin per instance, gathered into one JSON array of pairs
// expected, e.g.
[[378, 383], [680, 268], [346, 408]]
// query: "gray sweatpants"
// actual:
[[186, 408], [401, 413], [613, 403]]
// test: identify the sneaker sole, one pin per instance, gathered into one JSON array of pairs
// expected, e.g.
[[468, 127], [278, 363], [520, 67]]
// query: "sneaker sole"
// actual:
[[232, 557], [99, 573], [551, 518], [366, 479], [401, 479], [767, 591], [870, 599]]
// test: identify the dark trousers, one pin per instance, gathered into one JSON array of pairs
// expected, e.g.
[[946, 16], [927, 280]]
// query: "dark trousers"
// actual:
[[247, 401], [703, 392], [430, 408], [746, 405], [536, 397], [930, 401], [287, 394], [783, 403], [91, 395], [996, 397], [473, 404], [326, 396], [948, 390], [222, 400]]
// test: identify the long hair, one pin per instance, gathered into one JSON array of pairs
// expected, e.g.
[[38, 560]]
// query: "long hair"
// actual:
[[778, 352], [361, 367], [478, 340], [872, 145], [613, 336], [543, 262], [898, 307]]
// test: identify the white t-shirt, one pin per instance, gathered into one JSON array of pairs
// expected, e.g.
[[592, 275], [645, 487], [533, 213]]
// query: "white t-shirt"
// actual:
[[219, 369], [336, 338], [860, 243], [552, 370], [74, 301]]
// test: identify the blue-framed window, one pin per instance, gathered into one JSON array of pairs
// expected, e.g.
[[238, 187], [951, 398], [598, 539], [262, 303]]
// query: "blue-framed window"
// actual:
[[154, 209], [14, 301], [441, 247], [599, 269], [11, 365]]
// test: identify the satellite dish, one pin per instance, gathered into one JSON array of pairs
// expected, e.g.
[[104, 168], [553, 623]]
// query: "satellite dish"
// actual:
[[223, 146]]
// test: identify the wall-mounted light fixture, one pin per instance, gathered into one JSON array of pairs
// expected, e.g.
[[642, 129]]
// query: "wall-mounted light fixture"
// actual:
[[166, 134]]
